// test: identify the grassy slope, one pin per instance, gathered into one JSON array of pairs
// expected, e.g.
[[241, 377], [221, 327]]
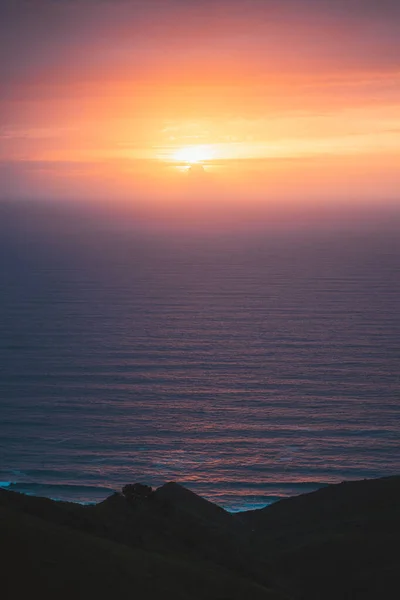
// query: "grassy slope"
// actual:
[[339, 542], [45, 560]]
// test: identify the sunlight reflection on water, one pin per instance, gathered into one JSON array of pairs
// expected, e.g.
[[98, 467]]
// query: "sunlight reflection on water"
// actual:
[[244, 368]]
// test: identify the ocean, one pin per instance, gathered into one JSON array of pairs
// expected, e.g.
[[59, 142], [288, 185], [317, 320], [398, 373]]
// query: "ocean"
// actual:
[[248, 365]]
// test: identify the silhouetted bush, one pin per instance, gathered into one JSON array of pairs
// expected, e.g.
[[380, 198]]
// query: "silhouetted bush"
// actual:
[[136, 491]]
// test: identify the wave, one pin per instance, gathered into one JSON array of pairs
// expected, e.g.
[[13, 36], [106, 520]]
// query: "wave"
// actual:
[[65, 492], [227, 498]]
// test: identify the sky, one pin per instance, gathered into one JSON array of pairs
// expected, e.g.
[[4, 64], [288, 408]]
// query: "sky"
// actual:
[[262, 109]]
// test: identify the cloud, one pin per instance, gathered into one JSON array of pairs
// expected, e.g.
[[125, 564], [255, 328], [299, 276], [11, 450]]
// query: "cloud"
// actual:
[[102, 79], [81, 39]]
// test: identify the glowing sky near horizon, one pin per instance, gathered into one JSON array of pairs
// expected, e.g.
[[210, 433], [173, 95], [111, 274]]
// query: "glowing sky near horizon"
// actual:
[[293, 101]]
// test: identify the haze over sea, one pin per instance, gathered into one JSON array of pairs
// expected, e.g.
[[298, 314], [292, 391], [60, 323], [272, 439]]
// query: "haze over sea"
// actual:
[[247, 364]]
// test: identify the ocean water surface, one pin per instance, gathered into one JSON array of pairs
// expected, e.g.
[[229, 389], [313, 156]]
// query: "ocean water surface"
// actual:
[[248, 366]]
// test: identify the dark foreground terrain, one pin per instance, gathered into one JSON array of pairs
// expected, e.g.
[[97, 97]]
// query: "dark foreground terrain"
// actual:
[[341, 542]]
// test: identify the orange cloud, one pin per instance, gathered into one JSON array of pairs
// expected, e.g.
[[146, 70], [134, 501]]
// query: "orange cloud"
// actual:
[[294, 103]]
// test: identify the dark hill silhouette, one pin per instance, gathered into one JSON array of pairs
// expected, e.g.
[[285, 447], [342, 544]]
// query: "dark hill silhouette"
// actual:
[[175, 521], [341, 541], [48, 561], [182, 498], [338, 542]]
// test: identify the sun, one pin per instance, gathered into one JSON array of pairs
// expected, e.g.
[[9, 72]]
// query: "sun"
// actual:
[[193, 154]]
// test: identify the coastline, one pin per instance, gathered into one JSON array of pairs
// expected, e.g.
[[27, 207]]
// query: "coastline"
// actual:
[[338, 541], [91, 494]]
